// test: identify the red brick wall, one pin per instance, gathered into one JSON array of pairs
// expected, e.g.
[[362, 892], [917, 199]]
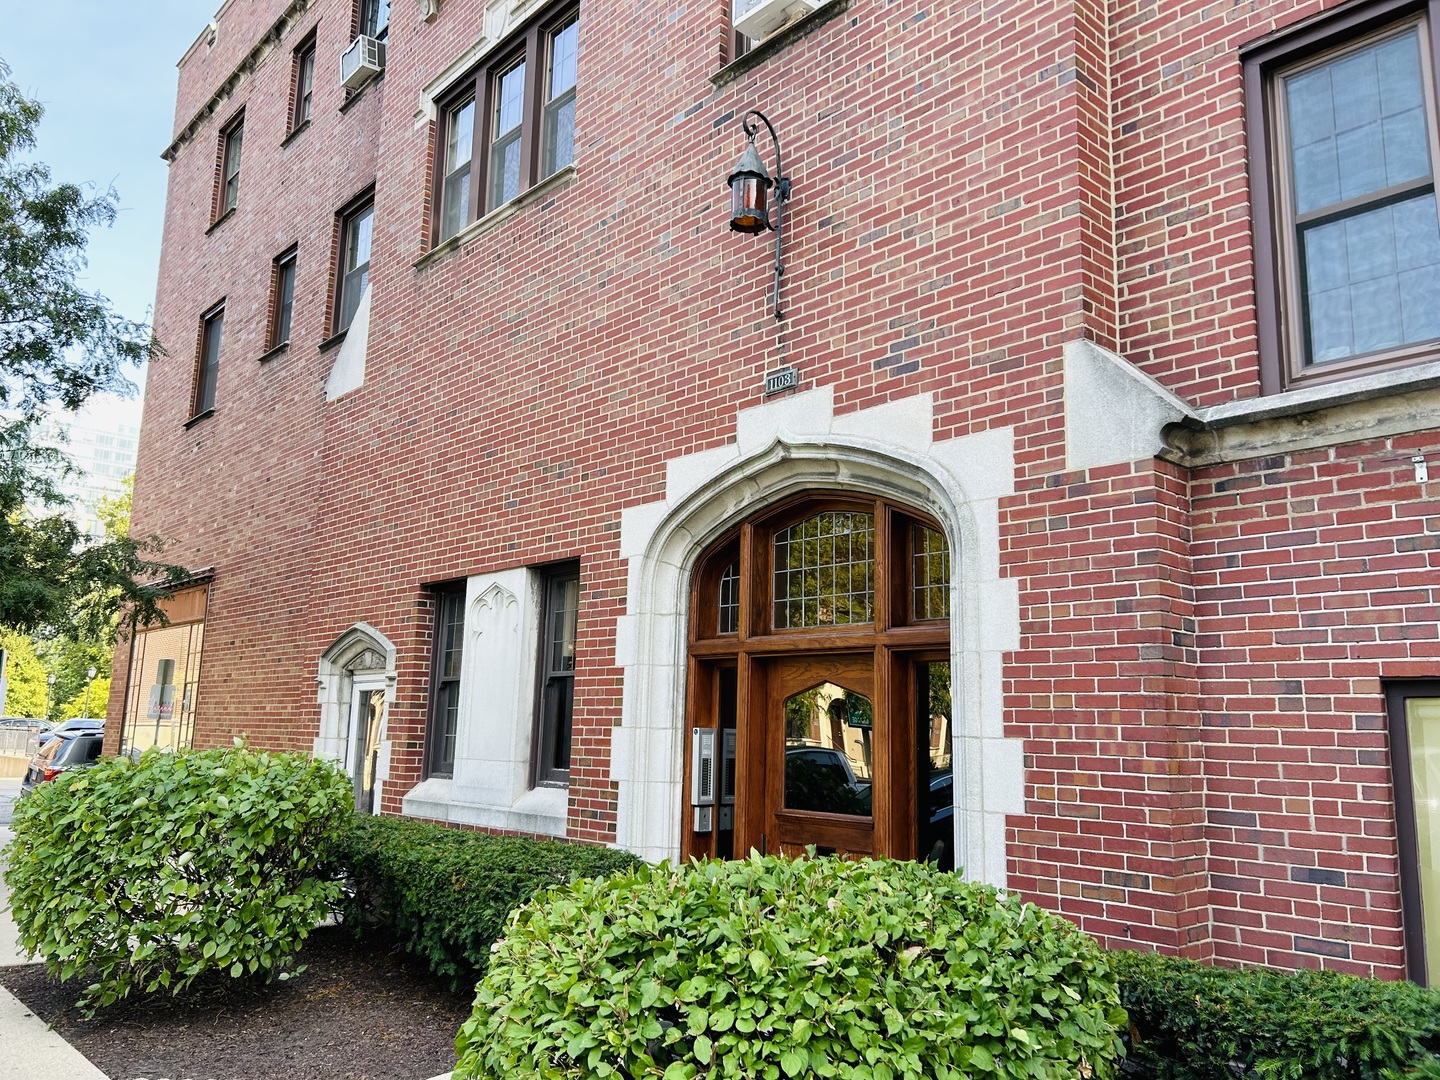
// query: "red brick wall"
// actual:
[[974, 186]]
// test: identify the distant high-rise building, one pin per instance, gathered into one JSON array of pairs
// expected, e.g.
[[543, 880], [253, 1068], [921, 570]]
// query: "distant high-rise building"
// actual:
[[100, 442]]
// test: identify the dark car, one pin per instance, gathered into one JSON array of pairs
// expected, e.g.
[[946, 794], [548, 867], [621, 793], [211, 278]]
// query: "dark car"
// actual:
[[74, 749], [71, 726]]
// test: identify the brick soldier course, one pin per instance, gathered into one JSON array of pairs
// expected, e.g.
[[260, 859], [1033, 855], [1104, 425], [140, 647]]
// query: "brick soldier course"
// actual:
[[1020, 253]]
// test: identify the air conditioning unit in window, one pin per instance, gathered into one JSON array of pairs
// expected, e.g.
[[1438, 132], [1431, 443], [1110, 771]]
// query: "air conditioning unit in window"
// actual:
[[758, 19], [361, 62]]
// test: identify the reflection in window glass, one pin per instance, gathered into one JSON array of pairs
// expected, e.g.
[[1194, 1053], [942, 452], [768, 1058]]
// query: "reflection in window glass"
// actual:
[[161, 691], [1422, 718], [1358, 128], [560, 99], [825, 571], [455, 200], [730, 599], [930, 571], [829, 756], [355, 264], [936, 812], [505, 142]]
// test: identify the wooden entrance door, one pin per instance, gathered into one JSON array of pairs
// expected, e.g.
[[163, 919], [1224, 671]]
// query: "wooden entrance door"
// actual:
[[827, 741]]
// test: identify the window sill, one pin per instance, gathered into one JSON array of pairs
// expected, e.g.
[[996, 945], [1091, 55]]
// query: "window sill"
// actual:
[[539, 812], [779, 41], [198, 417], [500, 214], [332, 341], [226, 216], [278, 350], [295, 133], [1377, 405]]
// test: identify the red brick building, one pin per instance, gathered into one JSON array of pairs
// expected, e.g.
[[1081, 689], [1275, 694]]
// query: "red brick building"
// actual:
[[1093, 548]]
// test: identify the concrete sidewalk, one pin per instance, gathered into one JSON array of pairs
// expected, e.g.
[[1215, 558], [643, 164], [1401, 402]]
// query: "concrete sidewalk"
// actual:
[[29, 1050]]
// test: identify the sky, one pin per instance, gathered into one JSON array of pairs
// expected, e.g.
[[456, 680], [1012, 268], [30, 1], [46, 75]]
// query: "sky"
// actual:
[[105, 72]]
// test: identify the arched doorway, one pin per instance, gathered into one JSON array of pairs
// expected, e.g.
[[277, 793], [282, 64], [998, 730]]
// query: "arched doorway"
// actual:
[[818, 700]]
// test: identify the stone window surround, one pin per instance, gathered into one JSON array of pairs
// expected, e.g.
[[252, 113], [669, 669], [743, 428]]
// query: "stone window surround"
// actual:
[[491, 783]]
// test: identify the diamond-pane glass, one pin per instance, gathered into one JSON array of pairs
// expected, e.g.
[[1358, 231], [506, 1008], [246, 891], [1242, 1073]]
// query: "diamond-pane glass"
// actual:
[[730, 599], [931, 574], [825, 571]]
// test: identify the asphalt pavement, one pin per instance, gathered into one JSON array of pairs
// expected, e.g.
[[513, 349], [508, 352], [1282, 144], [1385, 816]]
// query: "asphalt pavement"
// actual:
[[9, 792]]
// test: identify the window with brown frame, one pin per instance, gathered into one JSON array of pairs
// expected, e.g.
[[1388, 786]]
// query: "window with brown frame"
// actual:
[[207, 361], [227, 167], [1343, 128], [303, 82], [559, 621], [508, 124], [1414, 709], [445, 678], [373, 18], [353, 260], [282, 298]]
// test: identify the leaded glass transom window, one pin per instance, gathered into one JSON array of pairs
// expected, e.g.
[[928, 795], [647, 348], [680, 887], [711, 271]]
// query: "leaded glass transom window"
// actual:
[[730, 599], [930, 573], [825, 571]]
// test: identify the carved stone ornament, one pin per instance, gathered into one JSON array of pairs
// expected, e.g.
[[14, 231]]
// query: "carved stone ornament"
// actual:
[[369, 660], [429, 9]]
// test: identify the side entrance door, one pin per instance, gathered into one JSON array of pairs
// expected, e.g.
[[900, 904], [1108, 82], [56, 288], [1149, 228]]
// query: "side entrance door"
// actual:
[[367, 729]]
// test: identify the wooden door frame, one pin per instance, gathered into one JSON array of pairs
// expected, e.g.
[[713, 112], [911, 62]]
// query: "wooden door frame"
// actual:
[[896, 638]]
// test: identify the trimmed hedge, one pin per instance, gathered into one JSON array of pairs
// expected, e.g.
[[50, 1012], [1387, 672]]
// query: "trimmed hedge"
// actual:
[[146, 875], [446, 893], [1191, 1021], [771, 967]]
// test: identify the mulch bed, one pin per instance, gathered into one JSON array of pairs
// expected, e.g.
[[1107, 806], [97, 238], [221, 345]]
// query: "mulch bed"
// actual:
[[360, 1011]]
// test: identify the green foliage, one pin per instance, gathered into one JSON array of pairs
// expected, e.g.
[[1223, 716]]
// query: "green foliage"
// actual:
[[69, 659], [772, 968], [447, 893], [88, 701], [59, 345], [1191, 1021], [147, 875], [25, 695]]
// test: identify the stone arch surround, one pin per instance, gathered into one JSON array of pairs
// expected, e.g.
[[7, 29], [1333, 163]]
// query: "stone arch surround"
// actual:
[[335, 678], [782, 448]]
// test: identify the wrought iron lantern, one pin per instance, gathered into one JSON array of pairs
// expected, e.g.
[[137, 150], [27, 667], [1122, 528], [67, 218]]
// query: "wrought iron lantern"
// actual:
[[750, 185]]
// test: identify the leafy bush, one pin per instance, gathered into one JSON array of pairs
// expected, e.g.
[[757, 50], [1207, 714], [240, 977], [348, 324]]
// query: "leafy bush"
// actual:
[[151, 873], [771, 967], [446, 893], [1190, 1021]]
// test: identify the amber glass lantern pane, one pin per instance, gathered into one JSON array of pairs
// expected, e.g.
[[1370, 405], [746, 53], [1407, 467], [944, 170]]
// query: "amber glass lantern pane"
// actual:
[[748, 213]]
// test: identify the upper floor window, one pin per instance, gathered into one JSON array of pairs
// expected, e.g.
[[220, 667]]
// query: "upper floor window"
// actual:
[[354, 261], [1347, 229], [207, 362], [374, 18], [304, 84], [228, 178], [510, 122], [282, 298]]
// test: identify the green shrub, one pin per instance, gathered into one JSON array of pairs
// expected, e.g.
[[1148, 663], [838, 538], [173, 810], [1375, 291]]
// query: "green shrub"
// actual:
[[446, 893], [1190, 1021], [151, 873], [773, 968]]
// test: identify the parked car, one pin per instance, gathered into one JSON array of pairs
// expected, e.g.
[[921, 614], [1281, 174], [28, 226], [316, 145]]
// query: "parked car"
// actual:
[[66, 750], [93, 724]]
